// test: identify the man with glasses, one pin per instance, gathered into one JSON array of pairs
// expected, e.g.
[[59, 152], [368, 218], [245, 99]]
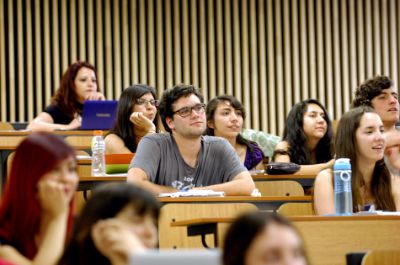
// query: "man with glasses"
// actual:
[[183, 158]]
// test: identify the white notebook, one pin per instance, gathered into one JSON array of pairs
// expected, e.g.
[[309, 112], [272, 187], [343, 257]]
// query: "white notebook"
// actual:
[[193, 193], [177, 257]]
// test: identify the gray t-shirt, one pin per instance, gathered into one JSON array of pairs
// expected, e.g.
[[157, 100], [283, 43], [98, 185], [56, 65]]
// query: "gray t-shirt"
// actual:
[[159, 157]]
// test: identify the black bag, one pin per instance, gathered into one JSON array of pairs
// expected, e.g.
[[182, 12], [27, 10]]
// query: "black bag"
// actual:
[[282, 168]]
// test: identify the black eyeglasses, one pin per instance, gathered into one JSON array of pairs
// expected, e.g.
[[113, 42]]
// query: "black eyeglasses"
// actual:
[[142, 101], [187, 111]]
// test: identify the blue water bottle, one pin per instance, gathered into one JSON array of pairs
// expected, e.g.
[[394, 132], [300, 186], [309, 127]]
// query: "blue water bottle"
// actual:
[[342, 187]]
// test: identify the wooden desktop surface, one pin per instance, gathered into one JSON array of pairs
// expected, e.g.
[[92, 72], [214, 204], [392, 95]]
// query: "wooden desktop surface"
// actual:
[[58, 132], [264, 203], [329, 238], [263, 176], [84, 172], [9, 140], [236, 199]]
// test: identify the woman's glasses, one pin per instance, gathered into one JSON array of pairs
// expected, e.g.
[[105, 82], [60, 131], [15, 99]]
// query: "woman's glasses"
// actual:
[[142, 101]]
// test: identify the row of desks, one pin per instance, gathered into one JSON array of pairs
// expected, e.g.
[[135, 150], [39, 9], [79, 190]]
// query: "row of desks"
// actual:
[[81, 140], [87, 180], [327, 238]]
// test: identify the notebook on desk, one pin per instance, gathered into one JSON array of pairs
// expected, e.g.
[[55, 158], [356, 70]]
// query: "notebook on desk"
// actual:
[[98, 114], [177, 257]]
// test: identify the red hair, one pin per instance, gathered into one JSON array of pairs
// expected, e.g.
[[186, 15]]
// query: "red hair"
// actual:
[[20, 210], [65, 96]]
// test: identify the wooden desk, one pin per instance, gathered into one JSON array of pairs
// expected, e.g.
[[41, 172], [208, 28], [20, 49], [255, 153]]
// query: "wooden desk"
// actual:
[[305, 180], [9, 140], [179, 209], [264, 203], [84, 172], [87, 181], [327, 239]]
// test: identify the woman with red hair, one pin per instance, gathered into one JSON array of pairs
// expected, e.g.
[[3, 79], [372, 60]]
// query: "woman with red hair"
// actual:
[[36, 208], [78, 83]]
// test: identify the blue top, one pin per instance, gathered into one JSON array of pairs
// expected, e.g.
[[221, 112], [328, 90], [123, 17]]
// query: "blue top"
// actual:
[[253, 157]]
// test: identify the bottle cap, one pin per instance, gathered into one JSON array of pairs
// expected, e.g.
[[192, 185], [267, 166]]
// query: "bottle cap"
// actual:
[[98, 133], [342, 164]]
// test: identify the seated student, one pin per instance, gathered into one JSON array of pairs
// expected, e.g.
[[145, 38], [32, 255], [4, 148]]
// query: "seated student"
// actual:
[[380, 94], [360, 137], [225, 116], [183, 158], [307, 138], [36, 208], [78, 83], [136, 117], [263, 238], [118, 220]]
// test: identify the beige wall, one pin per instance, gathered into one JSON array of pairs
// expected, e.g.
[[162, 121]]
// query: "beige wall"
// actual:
[[270, 54]]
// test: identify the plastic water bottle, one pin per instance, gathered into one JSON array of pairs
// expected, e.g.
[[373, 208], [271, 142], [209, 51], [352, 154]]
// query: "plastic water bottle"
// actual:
[[342, 183], [98, 154]]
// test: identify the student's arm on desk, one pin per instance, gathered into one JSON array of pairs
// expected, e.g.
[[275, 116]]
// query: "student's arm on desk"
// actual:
[[315, 169], [44, 122], [304, 169], [323, 193], [241, 185], [139, 177]]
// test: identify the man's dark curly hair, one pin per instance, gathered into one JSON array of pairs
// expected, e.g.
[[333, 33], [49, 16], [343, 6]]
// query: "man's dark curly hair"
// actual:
[[170, 96], [370, 89]]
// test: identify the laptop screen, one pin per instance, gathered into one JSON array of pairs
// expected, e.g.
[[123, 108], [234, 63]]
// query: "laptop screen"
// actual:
[[99, 114], [177, 257]]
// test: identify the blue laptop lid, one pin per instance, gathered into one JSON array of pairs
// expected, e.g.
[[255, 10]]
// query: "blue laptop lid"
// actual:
[[99, 114]]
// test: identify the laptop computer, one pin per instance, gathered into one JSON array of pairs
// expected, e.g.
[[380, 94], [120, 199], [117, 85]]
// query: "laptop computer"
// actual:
[[98, 114], [177, 257]]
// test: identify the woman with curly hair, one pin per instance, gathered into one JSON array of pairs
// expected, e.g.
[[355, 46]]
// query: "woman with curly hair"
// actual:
[[78, 83], [307, 138]]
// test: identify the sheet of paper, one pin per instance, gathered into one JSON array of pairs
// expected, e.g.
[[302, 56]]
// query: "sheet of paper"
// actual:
[[193, 193]]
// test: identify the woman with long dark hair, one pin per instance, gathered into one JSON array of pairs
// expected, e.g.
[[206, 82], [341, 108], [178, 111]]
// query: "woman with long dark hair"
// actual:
[[307, 138], [136, 117], [360, 137], [225, 116], [117, 221], [263, 238]]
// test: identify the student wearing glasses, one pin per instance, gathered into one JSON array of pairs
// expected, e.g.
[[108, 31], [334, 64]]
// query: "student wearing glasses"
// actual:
[[136, 117], [183, 158]]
